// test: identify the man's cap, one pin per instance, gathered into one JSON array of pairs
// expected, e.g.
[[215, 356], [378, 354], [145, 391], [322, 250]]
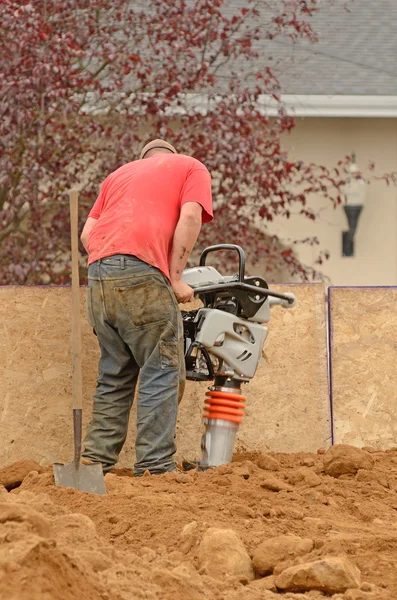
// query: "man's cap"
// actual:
[[157, 144]]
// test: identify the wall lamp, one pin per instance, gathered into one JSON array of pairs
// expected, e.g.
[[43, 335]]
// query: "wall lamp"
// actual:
[[354, 193]]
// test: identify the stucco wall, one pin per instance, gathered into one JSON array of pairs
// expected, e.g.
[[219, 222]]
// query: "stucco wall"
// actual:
[[325, 141]]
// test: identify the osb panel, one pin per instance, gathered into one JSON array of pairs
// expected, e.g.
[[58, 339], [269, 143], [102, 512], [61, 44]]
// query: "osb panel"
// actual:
[[35, 373], [364, 365], [287, 407], [287, 401]]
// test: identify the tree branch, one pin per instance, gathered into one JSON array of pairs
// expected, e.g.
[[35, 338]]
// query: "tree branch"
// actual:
[[14, 224]]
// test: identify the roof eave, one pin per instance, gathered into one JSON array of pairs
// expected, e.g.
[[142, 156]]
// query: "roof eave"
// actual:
[[301, 105]]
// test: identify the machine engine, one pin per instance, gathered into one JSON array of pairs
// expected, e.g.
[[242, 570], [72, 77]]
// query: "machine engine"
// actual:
[[223, 343], [227, 335]]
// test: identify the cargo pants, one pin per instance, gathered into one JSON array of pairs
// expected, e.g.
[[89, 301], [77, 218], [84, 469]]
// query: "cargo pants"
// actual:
[[135, 315]]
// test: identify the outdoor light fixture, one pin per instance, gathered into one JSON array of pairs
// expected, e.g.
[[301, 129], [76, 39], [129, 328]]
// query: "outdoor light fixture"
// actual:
[[354, 197]]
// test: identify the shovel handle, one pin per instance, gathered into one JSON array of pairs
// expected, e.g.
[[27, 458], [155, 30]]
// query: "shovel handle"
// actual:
[[77, 380]]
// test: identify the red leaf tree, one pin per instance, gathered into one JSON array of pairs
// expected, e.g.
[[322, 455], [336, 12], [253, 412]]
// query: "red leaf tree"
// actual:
[[84, 83]]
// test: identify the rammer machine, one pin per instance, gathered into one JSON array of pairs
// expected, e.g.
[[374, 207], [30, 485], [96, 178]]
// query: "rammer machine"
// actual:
[[223, 343]]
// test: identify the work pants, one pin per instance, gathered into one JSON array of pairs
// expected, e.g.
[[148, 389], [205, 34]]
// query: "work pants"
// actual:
[[135, 315]]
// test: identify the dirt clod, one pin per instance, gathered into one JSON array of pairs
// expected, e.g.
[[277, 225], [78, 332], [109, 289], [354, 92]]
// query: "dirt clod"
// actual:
[[268, 463], [222, 552], [265, 583], [15, 515], [275, 485], [11, 476], [305, 476], [346, 460], [279, 549], [188, 536], [330, 575]]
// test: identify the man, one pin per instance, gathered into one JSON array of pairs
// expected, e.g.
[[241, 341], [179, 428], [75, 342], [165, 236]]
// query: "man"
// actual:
[[139, 235]]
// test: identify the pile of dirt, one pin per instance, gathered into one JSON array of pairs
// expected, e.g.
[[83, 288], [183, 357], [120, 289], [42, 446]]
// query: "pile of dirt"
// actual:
[[266, 527]]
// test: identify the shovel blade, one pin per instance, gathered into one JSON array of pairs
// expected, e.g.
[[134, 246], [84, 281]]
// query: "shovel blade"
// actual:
[[85, 478]]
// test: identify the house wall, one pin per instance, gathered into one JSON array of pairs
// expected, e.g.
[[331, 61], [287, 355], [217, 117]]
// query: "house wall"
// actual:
[[325, 141]]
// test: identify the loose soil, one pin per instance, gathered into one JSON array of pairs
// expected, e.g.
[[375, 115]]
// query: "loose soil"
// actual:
[[142, 539]]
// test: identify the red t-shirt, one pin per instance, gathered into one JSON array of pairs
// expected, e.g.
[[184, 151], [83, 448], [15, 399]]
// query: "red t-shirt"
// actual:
[[139, 205]]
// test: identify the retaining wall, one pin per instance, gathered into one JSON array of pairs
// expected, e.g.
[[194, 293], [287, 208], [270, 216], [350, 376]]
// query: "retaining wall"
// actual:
[[363, 361], [287, 406], [290, 407]]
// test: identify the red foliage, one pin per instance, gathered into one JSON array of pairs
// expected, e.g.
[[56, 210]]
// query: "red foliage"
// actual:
[[84, 83]]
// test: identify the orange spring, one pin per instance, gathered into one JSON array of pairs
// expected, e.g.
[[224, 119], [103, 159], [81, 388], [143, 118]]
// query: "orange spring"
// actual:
[[228, 406]]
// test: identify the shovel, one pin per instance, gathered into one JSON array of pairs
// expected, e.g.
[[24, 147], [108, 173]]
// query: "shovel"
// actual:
[[85, 478]]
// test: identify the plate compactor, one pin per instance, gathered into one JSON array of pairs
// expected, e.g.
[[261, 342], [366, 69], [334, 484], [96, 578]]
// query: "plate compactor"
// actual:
[[223, 343]]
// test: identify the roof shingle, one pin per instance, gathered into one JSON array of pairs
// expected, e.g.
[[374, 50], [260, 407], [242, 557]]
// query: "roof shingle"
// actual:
[[356, 53]]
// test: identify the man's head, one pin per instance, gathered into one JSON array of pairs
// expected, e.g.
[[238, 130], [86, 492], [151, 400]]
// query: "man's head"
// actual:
[[157, 147]]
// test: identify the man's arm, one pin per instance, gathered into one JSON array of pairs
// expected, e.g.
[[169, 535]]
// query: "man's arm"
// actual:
[[89, 224], [185, 236]]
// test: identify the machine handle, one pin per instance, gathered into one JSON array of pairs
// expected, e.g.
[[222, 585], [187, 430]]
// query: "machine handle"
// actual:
[[217, 247], [289, 298]]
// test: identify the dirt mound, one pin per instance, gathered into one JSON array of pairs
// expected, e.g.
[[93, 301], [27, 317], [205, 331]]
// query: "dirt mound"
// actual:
[[212, 535]]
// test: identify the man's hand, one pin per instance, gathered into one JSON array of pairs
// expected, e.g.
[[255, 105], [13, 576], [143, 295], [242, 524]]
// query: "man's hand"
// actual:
[[183, 292]]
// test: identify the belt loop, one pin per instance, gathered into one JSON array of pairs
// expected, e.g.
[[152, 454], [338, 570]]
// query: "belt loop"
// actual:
[[123, 262]]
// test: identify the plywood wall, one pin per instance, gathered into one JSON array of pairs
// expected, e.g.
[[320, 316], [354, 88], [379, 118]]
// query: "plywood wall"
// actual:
[[363, 334], [287, 408]]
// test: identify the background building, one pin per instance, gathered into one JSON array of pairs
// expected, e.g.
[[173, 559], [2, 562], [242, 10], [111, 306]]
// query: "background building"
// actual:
[[343, 92]]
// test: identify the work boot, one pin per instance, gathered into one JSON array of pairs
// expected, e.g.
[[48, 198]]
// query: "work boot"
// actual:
[[146, 473], [189, 465]]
